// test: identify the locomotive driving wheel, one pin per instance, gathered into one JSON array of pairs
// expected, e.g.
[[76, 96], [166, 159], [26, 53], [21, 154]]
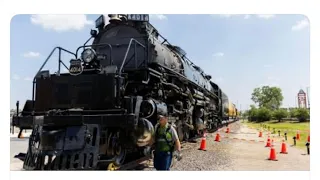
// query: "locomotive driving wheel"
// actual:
[[119, 151], [186, 133], [180, 131]]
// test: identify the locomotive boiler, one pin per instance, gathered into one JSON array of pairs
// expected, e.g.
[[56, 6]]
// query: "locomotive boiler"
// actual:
[[106, 105]]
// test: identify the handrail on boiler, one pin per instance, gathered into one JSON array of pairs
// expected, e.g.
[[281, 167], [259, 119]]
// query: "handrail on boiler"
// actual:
[[127, 52]]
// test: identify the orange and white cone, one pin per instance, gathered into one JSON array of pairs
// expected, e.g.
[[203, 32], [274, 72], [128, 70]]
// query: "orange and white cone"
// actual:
[[228, 130], [203, 144], [268, 143], [283, 148], [272, 156], [217, 137], [298, 135]]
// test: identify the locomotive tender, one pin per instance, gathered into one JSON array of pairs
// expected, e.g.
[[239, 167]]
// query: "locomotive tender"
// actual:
[[106, 105]]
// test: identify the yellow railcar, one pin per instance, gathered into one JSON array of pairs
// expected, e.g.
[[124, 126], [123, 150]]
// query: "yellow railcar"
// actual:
[[233, 112]]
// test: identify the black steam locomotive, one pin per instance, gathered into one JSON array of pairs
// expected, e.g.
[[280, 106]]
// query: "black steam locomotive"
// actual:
[[106, 105]]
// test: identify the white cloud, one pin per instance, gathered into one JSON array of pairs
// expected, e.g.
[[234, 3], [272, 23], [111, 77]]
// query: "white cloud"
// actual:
[[61, 23], [300, 25], [219, 54], [31, 54], [266, 16], [247, 16], [28, 79], [15, 77], [158, 16]]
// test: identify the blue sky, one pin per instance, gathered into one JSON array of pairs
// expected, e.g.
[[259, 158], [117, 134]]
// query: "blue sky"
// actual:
[[241, 52]]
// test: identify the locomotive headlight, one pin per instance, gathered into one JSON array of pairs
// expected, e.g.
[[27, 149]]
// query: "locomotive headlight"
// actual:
[[88, 55]]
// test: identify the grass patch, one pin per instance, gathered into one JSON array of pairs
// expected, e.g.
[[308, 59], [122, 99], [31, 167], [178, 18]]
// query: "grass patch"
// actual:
[[290, 126]]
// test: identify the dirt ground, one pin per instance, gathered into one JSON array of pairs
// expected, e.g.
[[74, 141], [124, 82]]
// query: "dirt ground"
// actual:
[[239, 150], [252, 155]]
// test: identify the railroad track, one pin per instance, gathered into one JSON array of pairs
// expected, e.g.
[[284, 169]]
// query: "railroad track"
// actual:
[[147, 161], [144, 162]]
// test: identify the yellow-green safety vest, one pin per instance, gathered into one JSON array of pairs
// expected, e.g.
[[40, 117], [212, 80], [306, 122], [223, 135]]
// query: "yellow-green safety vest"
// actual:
[[163, 138]]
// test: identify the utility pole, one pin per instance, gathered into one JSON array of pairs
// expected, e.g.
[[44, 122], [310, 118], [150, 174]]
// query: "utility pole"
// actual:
[[308, 97], [240, 111]]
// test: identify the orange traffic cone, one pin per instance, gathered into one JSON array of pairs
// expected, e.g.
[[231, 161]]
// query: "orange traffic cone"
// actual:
[[268, 143], [203, 144], [273, 154], [298, 135], [283, 148], [217, 137], [227, 131], [260, 134]]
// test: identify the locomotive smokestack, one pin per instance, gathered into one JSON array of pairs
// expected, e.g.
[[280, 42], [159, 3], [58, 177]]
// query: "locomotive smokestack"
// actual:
[[114, 18]]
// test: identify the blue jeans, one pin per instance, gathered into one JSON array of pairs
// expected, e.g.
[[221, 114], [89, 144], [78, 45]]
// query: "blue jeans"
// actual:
[[162, 160]]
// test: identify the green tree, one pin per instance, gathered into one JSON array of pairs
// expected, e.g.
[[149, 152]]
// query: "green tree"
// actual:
[[279, 114], [245, 114], [263, 114], [267, 97], [293, 112], [253, 113], [302, 114]]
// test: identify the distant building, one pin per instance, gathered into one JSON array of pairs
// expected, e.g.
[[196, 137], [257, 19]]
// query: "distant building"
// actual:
[[302, 99]]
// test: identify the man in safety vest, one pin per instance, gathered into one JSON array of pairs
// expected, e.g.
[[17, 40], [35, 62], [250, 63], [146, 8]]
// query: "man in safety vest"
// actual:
[[166, 140]]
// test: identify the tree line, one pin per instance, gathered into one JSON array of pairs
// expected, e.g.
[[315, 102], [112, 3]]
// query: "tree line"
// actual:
[[268, 100]]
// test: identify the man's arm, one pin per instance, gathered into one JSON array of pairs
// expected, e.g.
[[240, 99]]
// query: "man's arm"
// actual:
[[178, 145], [176, 139]]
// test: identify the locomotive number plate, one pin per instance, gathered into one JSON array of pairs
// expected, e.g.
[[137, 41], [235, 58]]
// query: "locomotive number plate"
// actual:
[[138, 17], [75, 67]]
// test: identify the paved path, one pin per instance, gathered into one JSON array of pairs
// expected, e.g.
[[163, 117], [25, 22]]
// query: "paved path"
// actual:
[[252, 155], [17, 146]]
